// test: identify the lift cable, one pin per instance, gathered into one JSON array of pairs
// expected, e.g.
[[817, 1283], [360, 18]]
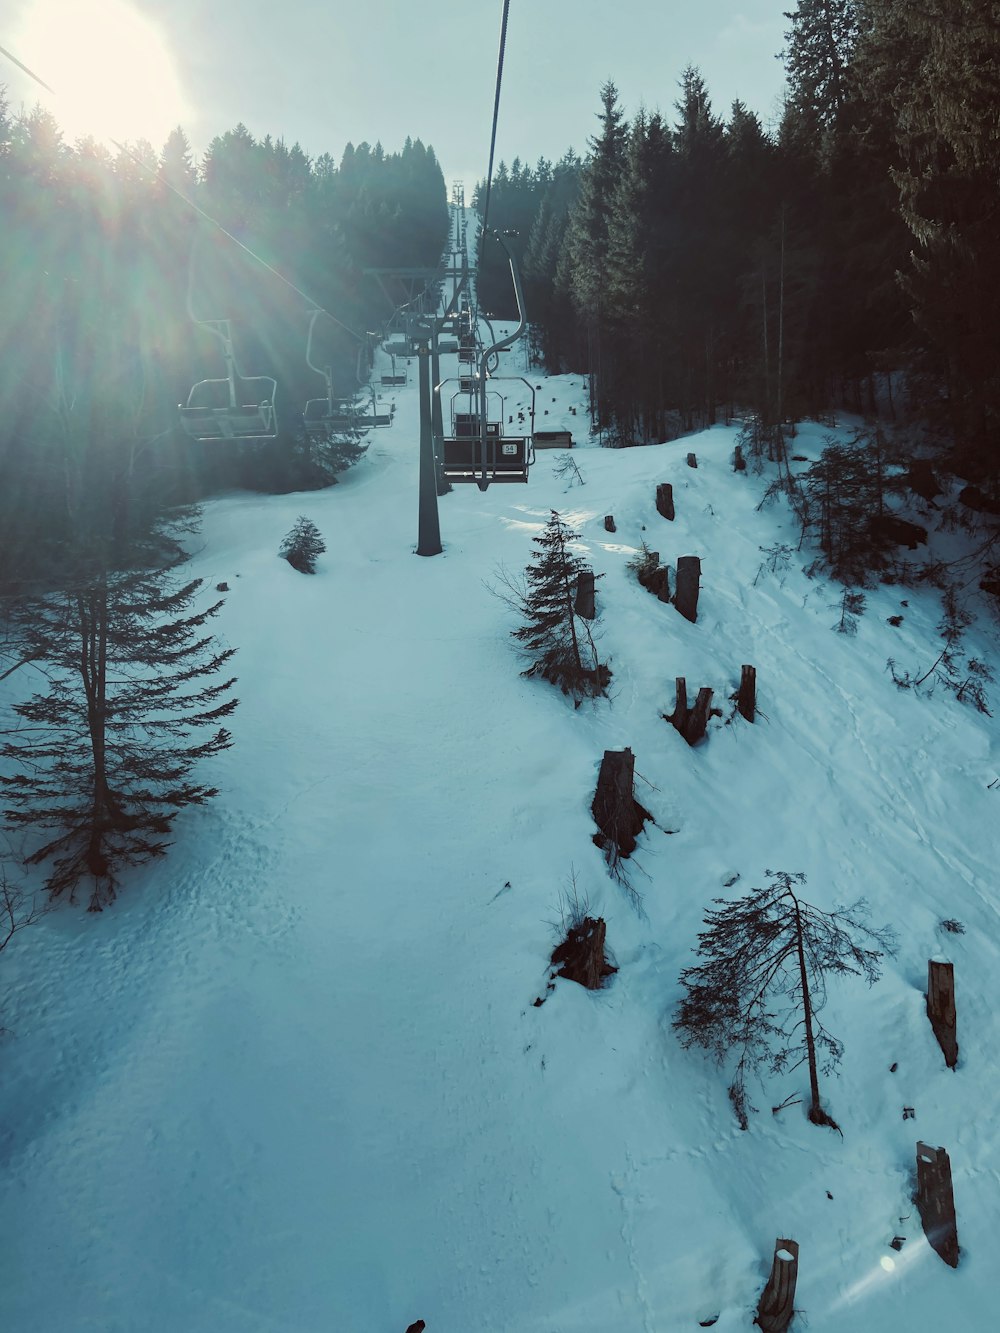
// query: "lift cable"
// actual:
[[123, 148], [496, 112]]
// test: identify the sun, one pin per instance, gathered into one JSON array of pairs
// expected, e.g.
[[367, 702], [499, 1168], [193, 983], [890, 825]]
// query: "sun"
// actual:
[[109, 66]]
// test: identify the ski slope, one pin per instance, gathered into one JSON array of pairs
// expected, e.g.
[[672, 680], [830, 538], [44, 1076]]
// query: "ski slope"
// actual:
[[294, 1079]]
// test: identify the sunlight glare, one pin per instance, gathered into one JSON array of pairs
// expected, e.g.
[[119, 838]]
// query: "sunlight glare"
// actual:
[[110, 67]]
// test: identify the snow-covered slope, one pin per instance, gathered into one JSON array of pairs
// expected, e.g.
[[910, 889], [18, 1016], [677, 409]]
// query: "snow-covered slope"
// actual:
[[294, 1079]]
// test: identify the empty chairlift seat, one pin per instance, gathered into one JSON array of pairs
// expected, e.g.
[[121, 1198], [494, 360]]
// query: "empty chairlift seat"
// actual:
[[507, 457], [210, 413]]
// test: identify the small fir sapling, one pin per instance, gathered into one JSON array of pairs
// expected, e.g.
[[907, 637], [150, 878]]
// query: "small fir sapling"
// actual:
[[302, 545], [966, 678], [554, 636], [851, 607], [762, 984]]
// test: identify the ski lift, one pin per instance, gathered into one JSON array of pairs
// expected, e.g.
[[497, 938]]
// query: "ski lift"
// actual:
[[477, 448], [239, 407]]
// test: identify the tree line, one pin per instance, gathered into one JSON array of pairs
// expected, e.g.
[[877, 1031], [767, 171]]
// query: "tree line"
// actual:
[[107, 271], [705, 266]]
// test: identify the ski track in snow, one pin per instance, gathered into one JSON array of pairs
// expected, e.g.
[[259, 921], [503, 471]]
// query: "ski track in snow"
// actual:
[[294, 1080]]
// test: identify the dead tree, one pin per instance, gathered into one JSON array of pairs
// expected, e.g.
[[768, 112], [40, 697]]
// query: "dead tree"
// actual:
[[609, 523], [688, 582], [692, 460], [936, 1202], [941, 1008], [739, 462], [746, 698], [690, 722], [777, 1301], [665, 500]]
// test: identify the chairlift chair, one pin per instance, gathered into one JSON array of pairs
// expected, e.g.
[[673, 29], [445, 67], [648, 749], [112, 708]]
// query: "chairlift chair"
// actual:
[[239, 407], [476, 448]]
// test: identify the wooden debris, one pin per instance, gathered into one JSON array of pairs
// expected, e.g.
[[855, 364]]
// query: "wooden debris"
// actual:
[[692, 460], [665, 500], [746, 699], [688, 583], [739, 462], [585, 602], [936, 1202], [941, 1008], [609, 523], [777, 1300]]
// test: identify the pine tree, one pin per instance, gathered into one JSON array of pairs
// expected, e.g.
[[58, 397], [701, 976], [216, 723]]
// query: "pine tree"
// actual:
[[302, 545], [763, 984], [554, 636], [937, 65], [818, 58], [105, 757]]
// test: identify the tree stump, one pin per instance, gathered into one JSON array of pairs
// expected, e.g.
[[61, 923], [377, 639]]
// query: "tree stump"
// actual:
[[665, 500], [739, 462], [690, 722], [692, 460], [688, 582], [746, 699], [662, 588], [585, 603], [617, 813], [941, 1008], [777, 1300], [658, 583], [582, 955], [609, 523], [936, 1202]]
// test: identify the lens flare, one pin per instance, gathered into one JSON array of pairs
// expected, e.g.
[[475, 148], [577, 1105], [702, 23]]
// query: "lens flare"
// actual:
[[110, 68]]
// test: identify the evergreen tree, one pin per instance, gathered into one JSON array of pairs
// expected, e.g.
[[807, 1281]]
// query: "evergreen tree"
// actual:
[[937, 65], [302, 546], [763, 983], [558, 641], [104, 758], [818, 57]]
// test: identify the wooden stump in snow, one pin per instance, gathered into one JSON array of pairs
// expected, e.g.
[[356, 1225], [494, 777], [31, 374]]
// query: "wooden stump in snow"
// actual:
[[585, 603], [746, 699], [936, 1202], [582, 955], [609, 523], [692, 460], [665, 500], [658, 583], [739, 462], [662, 584], [941, 1008], [688, 582], [777, 1300], [616, 811], [690, 722]]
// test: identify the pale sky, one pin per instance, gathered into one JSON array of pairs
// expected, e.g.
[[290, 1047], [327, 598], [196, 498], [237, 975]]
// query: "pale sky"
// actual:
[[325, 72]]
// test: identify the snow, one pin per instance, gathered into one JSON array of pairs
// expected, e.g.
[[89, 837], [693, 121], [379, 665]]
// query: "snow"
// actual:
[[294, 1078]]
